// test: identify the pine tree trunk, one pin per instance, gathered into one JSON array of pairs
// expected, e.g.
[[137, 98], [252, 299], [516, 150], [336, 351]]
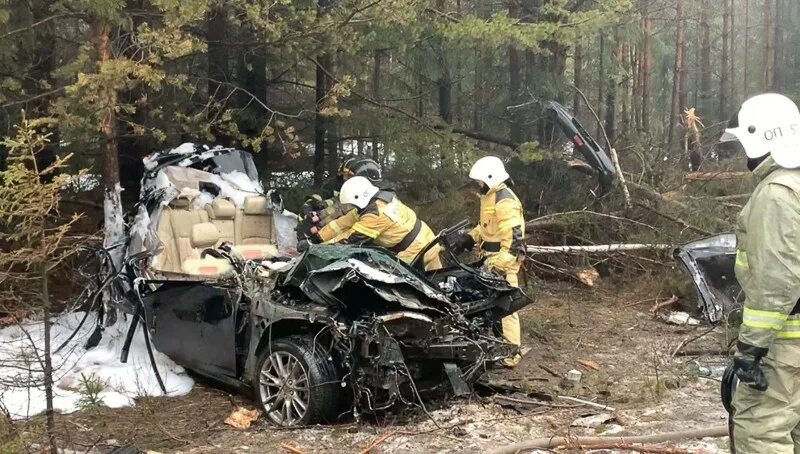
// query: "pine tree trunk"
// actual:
[[768, 58], [778, 58], [645, 74], [705, 57], [624, 88], [636, 89], [601, 80], [516, 134], [732, 70], [678, 77], [577, 80], [376, 93], [320, 122], [746, 65], [724, 64], [218, 55], [113, 223], [48, 360]]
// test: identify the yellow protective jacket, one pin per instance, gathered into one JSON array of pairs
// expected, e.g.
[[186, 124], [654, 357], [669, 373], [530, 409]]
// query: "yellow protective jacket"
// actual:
[[389, 223], [768, 259], [500, 233], [336, 222]]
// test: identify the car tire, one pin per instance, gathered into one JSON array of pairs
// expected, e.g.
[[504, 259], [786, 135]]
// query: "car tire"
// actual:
[[295, 382]]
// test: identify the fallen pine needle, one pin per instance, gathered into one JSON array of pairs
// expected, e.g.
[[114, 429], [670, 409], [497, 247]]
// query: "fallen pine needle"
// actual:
[[658, 306], [378, 440], [291, 449]]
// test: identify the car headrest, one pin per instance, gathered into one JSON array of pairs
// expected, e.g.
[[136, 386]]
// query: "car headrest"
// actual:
[[180, 202], [204, 235], [255, 204], [221, 209]]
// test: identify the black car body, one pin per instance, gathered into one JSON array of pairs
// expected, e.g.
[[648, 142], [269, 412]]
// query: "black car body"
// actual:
[[339, 328]]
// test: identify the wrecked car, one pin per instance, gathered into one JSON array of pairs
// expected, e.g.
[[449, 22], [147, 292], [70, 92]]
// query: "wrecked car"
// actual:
[[710, 264], [213, 276]]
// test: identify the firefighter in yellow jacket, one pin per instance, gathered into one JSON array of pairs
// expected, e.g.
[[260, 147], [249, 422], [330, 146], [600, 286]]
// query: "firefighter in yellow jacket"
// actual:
[[766, 403], [383, 220], [500, 234], [328, 220]]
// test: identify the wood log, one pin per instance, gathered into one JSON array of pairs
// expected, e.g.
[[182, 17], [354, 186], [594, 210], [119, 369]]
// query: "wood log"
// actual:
[[712, 176], [591, 442]]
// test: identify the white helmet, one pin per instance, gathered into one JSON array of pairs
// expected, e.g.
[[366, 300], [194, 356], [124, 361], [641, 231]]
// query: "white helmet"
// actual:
[[490, 170], [357, 191], [768, 123]]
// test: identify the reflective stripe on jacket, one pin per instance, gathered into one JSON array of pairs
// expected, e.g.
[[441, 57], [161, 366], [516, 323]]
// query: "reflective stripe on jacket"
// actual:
[[389, 223], [768, 258], [335, 227], [501, 228]]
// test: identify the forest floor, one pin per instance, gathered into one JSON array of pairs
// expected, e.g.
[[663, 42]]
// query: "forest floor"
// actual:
[[628, 364]]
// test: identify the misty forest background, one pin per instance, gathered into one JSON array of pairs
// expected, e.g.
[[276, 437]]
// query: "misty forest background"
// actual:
[[422, 86]]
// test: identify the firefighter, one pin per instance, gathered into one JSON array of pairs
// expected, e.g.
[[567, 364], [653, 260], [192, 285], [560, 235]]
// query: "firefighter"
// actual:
[[766, 403], [383, 220], [499, 235], [327, 220]]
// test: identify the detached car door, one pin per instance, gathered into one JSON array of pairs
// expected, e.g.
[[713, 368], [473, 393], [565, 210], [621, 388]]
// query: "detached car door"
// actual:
[[710, 264], [194, 323]]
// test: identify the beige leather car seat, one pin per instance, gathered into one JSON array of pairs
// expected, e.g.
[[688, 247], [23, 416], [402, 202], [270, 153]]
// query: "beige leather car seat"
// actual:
[[205, 235], [253, 223], [221, 213], [183, 217]]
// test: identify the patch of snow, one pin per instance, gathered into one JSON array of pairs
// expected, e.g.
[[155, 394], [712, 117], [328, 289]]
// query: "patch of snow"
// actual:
[[184, 148], [82, 183], [592, 421], [235, 186], [114, 225], [679, 318], [284, 223], [122, 383]]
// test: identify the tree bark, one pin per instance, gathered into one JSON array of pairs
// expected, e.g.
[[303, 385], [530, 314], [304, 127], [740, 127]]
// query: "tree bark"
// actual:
[[48, 360], [636, 88], [746, 65], [601, 86], [218, 55], [705, 57], [577, 79], [320, 122], [113, 223], [376, 93], [678, 80], [768, 56], [778, 54], [645, 72], [514, 81], [732, 70], [611, 98], [723, 77]]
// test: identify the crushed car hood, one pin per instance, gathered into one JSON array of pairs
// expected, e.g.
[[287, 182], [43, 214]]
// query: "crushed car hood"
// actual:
[[332, 274], [710, 263]]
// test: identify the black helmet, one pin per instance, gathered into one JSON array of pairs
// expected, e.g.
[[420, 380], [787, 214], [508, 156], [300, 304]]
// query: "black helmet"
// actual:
[[363, 167]]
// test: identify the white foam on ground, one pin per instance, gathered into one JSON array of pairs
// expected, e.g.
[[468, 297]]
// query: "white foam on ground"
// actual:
[[21, 388]]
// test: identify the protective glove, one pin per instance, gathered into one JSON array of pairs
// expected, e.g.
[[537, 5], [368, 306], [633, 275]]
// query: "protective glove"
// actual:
[[463, 242], [748, 369]]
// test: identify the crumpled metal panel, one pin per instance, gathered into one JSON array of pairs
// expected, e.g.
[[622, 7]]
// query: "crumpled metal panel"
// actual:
[[710, 263]]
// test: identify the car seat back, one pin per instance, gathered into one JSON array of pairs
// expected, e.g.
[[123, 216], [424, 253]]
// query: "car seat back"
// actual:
[[253, 223], [221, 213], [183, 217]]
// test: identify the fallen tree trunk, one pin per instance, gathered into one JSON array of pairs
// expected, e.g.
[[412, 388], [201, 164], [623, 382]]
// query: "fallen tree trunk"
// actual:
[[713, 176], [600, 442], [595, 248]]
